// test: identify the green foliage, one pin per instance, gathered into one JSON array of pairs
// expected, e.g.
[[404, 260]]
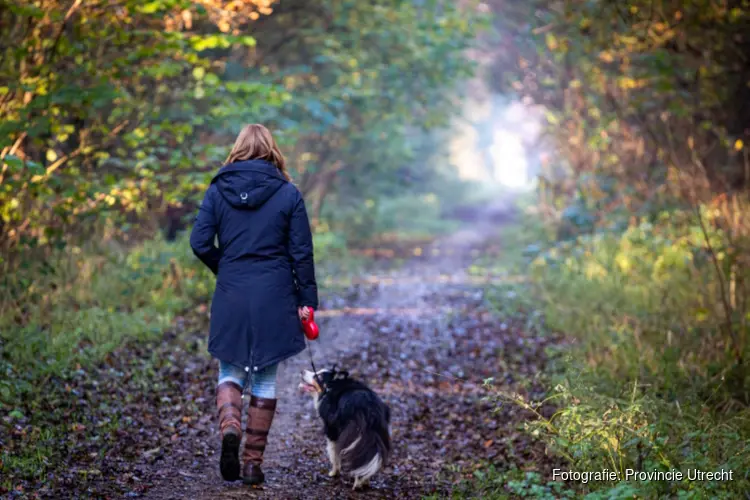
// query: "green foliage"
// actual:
[[650, 381], [492, 484], [637, 431], [115, 113], [657, 300], [532, 485]]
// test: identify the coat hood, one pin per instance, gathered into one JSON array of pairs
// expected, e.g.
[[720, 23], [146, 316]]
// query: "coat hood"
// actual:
[[248, 184]]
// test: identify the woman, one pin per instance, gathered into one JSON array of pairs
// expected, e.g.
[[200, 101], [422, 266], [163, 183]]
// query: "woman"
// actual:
[[265, 285]]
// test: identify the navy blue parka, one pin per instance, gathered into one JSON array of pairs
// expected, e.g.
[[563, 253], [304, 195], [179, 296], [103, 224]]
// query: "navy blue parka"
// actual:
[[264, 263]]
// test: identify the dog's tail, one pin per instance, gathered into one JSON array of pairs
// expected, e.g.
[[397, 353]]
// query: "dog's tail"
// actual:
[[364, 446]]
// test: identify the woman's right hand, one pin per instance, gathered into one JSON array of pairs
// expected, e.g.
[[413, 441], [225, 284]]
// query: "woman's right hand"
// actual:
[[304, 313]]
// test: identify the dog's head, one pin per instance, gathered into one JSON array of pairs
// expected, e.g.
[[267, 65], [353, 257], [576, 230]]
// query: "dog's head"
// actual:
[[318, 383]]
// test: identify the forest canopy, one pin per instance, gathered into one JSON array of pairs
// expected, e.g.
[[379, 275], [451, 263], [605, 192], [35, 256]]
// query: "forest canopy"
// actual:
[[127, 108]]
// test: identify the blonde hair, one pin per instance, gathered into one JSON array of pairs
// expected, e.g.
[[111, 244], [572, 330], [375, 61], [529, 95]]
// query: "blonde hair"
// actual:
[[255, 142]]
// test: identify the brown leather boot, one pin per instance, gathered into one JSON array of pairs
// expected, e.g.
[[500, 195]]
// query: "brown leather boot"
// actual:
[[259, 420], [229, 405]]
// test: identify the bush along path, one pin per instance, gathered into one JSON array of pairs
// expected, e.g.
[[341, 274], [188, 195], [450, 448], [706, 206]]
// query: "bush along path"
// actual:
[[143, 424]]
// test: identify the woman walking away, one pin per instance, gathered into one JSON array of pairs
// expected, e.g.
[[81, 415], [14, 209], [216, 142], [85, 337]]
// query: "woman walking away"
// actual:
[[265, 285]]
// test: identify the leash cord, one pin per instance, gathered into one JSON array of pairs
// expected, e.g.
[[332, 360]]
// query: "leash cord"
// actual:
[[312, 363]]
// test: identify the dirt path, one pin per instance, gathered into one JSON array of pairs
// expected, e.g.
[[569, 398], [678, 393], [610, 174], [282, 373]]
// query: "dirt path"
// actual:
[[419, 335]]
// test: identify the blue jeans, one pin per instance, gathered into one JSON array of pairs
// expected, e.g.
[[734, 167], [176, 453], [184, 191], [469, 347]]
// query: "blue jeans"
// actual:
[[263, 381]]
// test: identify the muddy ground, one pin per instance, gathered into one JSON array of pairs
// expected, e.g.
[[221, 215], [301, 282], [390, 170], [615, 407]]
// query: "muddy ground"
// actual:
[[419, 334]]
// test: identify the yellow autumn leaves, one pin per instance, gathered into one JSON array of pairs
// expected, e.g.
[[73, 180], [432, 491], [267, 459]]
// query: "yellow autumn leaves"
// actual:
[[226, 15]]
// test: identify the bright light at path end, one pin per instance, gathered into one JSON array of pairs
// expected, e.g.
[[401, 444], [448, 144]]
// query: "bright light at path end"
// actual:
[[509, 159]]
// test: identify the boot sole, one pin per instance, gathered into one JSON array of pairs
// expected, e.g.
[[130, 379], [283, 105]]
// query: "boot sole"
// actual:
[[229, 463]]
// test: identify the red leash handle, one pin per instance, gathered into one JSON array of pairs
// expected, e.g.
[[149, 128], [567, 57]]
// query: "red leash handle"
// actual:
[[310, 327]]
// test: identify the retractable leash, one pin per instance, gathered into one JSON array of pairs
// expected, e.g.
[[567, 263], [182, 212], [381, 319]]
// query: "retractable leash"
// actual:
[[311, 330], [309, 326], [312, 363]]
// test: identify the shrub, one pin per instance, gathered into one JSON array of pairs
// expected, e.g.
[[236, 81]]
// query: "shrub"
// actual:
[[651, 380]]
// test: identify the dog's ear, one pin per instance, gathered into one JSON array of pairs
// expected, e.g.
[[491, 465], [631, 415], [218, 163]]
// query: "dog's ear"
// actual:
[[343, 374]]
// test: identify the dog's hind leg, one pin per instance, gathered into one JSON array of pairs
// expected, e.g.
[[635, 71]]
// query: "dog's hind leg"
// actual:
[[360, 483], [363, 474], [334, 456]]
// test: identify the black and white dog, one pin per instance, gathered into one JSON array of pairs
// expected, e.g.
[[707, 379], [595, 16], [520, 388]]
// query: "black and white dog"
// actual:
[[355, 420]]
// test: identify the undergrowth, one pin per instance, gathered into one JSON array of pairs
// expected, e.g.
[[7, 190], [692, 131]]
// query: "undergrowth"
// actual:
[[491, 483], [648, 380]]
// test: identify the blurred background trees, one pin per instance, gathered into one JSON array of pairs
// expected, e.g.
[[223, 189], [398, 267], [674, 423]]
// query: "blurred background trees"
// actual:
[[639, 235], [116, 114], [651, 94], [647, 107]]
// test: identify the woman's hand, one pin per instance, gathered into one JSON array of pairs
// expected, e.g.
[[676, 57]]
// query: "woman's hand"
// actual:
[[304, 312]]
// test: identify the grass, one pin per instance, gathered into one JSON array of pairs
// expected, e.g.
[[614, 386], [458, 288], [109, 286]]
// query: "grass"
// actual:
[[646, 380], [88, 303]]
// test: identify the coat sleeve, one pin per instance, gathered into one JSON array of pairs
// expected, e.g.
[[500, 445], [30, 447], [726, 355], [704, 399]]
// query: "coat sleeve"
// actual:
[[204, 232], [301, 251]]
